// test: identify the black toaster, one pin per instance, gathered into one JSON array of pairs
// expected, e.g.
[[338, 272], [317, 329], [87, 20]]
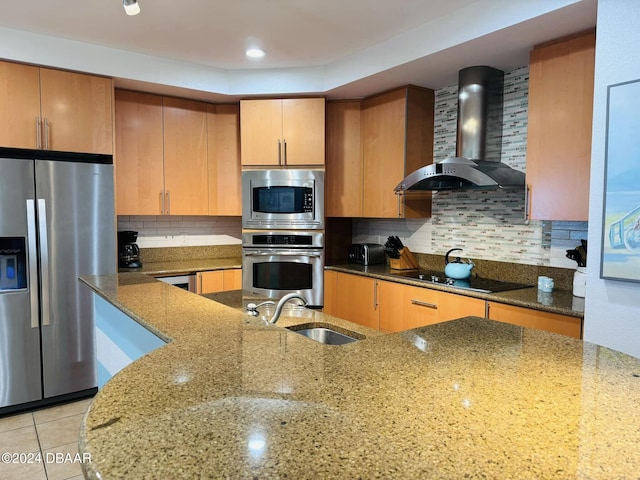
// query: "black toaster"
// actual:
[[366, 253]]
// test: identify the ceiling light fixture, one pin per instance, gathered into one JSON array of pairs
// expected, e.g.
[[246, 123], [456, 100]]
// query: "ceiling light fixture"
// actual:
[[131, 7], [255, 52]]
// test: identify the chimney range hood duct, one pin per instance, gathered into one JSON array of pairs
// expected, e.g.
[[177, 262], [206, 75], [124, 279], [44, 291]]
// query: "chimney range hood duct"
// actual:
[[478, 141]]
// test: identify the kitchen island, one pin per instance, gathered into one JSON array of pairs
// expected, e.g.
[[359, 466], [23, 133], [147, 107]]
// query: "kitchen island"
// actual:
[[232, 397]]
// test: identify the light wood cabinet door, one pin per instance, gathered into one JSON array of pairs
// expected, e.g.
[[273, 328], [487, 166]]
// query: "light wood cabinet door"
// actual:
[[19, 105], [185, 157], [225, 171], [261, 132], [209, 282], [77, 110], [352, 297], [282, 132], [526, 317], [232, 279], [303, 131], [397, 139], [343, 180], [218, 281], [561, 77], [403, 307], [139, 161]]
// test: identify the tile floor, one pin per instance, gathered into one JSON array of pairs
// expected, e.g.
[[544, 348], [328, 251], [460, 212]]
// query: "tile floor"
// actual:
[[53, 432]]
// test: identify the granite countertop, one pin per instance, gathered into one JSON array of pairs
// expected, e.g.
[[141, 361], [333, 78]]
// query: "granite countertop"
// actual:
[[185, 266], [559, 301], [232, 397]]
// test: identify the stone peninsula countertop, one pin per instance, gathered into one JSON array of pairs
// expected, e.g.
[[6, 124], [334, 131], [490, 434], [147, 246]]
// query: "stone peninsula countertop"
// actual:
[[232, 397], [559, 301]]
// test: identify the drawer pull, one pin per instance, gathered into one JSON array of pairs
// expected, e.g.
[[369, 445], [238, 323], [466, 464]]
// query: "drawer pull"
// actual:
[[424, 304]]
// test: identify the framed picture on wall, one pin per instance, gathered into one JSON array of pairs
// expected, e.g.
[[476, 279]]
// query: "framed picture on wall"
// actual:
[[621, 231]]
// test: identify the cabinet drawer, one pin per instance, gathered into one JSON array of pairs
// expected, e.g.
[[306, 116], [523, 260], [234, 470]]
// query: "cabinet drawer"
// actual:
[[526, 317]]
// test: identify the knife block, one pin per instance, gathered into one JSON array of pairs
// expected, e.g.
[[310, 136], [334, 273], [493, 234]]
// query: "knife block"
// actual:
[[406, 261]]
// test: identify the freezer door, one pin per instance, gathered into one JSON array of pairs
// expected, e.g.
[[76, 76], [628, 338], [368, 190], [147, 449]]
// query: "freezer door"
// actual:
[[76, 221], [20, 378]]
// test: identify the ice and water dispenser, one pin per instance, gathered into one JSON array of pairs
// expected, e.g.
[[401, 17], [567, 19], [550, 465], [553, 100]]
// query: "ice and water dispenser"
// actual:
[[13, 263]]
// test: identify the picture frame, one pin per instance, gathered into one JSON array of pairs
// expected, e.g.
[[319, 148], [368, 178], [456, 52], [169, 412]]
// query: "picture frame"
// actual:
[[620, 259]]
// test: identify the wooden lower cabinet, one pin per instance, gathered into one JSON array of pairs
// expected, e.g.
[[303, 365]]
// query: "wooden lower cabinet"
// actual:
[[394, 307], [218, 281], [526, 317], [352, 297], [403, 307]]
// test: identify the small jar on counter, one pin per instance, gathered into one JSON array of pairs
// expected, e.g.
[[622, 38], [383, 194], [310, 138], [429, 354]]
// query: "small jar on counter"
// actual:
[[580, 281]]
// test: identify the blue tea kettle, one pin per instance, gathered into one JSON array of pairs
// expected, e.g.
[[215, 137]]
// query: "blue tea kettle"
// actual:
[[457, 269]]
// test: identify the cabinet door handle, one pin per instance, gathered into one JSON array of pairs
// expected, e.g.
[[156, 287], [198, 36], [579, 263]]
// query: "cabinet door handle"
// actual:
[[161, 202], [284, 146], [527, 204], [375, 294], [279, 152], [424, 304], [38, 133], [46, 134], [168, 193], [398, 200]]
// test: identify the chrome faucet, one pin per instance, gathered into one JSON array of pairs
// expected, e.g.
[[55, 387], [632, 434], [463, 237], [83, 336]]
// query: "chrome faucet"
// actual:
[[252, 308]]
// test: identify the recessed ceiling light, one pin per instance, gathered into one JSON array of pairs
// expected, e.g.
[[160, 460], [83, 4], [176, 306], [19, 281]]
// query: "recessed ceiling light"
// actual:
[[255, 52], [131, 7]]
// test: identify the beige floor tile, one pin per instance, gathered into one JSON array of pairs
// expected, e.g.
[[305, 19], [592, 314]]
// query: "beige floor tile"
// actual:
[[16, 421], [59, 432], [60, 462], [22, 471], [19, 440], [79, 477], [61, 411]]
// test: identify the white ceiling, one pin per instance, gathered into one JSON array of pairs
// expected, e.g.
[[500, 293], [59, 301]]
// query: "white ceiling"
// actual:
[[340, 48]]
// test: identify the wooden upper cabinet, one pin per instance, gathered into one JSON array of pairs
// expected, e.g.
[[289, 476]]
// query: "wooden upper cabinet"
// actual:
[[343, 180], [77, 110], [161, 155], [19, 105], [139, 161], [397, 139], [185, 157], [561, 76], [282, 132], [55, 110], [223, 126]]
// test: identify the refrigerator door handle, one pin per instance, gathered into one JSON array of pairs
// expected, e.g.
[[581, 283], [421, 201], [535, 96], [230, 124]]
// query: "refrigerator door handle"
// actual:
[[44, 260], [32, 250]]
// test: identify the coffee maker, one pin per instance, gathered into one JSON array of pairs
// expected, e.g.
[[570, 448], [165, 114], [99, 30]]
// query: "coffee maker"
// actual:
[[128, 250]]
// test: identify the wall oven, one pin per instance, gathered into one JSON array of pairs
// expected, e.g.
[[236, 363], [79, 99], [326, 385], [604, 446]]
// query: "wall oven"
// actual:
[[275, 263], [283, 199]]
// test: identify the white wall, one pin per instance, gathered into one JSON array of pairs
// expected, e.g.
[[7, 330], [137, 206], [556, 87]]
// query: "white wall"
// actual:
[[612, 308]]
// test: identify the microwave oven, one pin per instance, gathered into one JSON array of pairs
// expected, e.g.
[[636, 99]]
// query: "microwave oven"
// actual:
[[283, 199]]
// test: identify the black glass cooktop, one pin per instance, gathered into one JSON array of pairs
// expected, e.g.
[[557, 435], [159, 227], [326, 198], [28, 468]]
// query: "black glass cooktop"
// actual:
[[477, 284]]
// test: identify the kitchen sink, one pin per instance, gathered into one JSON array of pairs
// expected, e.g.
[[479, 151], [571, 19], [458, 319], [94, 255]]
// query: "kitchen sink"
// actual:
[[325, 334]]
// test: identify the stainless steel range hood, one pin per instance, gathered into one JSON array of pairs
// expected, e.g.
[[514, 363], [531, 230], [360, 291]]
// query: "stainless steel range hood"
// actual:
[[478, 141]]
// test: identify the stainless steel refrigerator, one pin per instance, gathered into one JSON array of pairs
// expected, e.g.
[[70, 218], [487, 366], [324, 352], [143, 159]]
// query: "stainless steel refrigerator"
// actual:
[[57, 222]]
